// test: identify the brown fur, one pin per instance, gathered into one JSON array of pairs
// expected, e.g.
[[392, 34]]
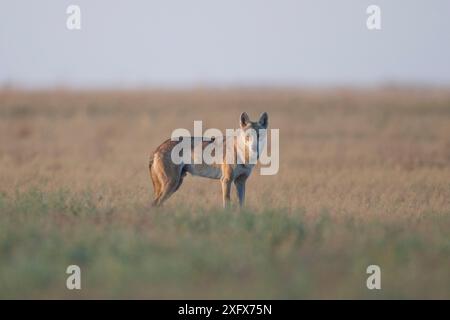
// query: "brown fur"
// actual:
[[167, 176]]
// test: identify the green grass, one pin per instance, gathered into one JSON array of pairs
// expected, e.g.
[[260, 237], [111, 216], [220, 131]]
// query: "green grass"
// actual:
[[134, 251]]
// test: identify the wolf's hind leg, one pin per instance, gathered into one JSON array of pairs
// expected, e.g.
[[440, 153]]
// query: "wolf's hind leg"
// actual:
[[167, 190], [170, 178]]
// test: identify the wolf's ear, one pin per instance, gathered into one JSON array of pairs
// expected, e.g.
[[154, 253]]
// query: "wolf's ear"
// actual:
[[264, 120], [245, 120]]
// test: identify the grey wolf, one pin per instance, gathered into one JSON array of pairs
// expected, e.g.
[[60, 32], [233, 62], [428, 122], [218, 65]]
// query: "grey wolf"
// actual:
[[168, 176]]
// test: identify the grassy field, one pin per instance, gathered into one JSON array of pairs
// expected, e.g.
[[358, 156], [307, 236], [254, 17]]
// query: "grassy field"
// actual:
[[364, 179]]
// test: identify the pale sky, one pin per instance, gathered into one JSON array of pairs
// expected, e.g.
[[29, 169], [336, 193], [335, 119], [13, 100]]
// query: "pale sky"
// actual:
[[159, 43]]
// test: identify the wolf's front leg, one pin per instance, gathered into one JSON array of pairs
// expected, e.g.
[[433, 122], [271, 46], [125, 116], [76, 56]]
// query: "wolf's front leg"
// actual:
[[226, 188], [240, 188]]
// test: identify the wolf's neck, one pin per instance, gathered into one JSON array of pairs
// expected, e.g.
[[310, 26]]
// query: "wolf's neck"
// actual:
[[244, 155]]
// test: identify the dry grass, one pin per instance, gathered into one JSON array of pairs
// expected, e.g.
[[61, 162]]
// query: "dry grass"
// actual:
[[364, 177]]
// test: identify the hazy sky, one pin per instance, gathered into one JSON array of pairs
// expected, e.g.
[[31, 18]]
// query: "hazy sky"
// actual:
[[223, 42]]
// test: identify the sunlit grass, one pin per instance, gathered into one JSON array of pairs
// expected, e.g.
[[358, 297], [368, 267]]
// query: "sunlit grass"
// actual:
[[146, 253], [364, 179]]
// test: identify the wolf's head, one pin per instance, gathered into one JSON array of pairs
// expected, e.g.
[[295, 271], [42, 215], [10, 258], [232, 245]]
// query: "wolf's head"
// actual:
[[253, 133]]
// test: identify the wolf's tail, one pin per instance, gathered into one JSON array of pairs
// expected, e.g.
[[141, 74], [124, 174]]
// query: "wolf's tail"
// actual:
[[150, 163]]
